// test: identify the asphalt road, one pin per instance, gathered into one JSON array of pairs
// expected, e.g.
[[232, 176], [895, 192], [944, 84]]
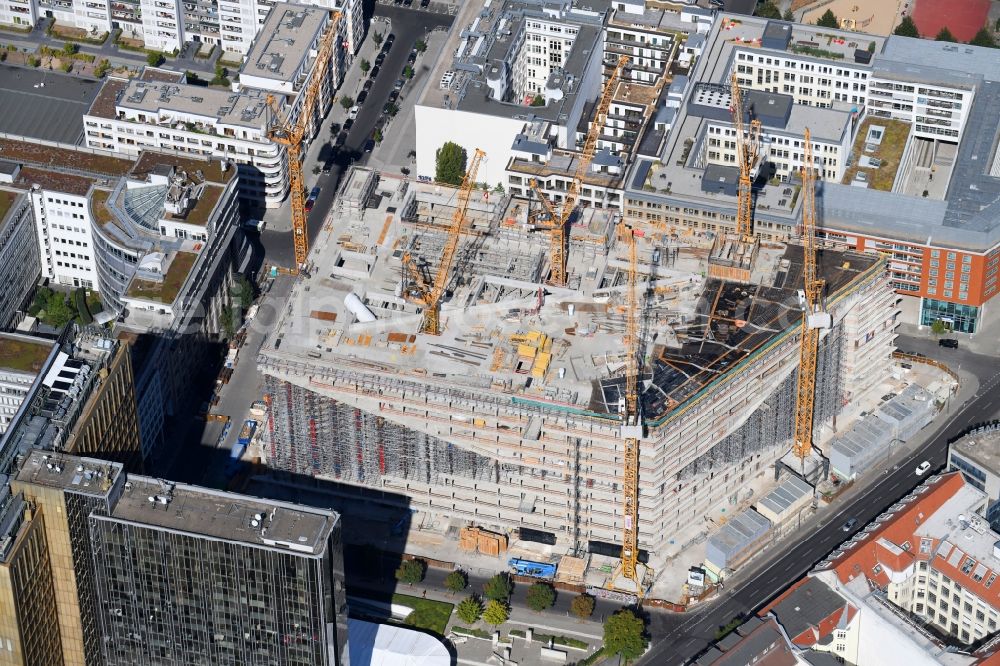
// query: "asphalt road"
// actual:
[[408, 25], [679, 637]]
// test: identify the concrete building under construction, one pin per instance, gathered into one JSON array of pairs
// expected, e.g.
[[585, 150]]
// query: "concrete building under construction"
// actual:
[[509, 419]]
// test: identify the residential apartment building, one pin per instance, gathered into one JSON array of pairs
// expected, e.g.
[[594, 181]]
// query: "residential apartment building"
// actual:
[[647, 35], [933, 556], [166, 25], [20, 267], [128, 117], [262, 581], [514, 62]]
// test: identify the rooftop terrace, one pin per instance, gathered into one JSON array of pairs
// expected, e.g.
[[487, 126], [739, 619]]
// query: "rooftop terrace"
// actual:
[[165, 290]]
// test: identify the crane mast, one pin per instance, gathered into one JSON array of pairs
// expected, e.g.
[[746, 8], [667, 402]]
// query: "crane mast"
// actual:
[[290, 135], [813, 319], [559, 221], [747, 153], [429, 296], [631, 419]]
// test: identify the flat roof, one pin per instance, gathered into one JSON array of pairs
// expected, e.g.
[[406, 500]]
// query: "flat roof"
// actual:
[[41, 155], [197, 169], [53, 112], [214, 514], [165, 290], [790, 491], [244, 109], [283, 43], [23, 353], [88, 476], [982, 448], [7, 199]]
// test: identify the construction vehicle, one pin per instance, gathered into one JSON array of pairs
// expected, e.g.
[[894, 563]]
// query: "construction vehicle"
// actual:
[[541, 570], [631, 429], [429, 296], [813, 318], [290, 135], [747, 154], [558, 221]]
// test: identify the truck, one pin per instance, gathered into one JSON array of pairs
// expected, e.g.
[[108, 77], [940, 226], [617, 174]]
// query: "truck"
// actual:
[[542, 570], [246, 433]]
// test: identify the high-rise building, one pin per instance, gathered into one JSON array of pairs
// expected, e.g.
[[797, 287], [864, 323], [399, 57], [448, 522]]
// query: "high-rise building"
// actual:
[[65, 490], [29, 629], [190, 575]]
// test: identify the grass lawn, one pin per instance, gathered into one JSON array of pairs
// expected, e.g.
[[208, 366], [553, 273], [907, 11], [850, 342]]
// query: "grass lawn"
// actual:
[[6, 200], [23, 356], [165, 291], [427, 613], [890, 151]]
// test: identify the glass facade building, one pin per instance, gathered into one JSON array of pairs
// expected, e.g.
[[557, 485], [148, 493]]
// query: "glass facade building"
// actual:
[[960, 318], [187, 575]]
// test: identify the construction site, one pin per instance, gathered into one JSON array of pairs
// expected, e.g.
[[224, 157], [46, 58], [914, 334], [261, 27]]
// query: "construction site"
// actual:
[[509, 416]]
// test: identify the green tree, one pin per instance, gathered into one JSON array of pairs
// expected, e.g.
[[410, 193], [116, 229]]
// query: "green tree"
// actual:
[[499, 189], [450, 163], [377, 136], [906, 28], [192, 78], [939, 327], [365, 65], [496, 613], [455, 581], [58, 313], [378, 38], [768, 9], [944, 35], [582, 606], [34, 61], [470, 609], [66, 66], [420, 46], [540, 596], [221, 76], [70, 48], [227, 322], [624, 634], [407, 72], [346, 102], [828, 20], [498, 588], [390, 109], [243, 292], [411, 571], [538, 100], [788, 15], [984, 38], [155, 59]]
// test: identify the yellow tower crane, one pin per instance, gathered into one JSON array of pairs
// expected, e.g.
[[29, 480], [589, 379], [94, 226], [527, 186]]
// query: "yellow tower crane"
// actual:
[[747, 153], [559, 220], [429, 296], [290, 134], [631, 421], [813, 318]]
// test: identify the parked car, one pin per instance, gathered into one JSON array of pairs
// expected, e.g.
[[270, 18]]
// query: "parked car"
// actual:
[[352, 112], [368, 84], [348, 124], [362, 96], [923, 467], [424, 3], [341, 138], [314, 194], [390, 39], [399, 84], [253, 225], [950, 343], [309, 204], [393, 95], [849, 525], [379, 59], [373, 72], [369, 145]]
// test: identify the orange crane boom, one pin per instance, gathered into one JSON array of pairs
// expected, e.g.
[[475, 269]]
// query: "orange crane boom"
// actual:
[[558, 223], [429, 296], [290, 135], [813, 292], [747, 153]]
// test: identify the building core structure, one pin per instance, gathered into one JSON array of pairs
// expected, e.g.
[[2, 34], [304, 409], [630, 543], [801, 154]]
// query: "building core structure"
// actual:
[[510, 419]]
